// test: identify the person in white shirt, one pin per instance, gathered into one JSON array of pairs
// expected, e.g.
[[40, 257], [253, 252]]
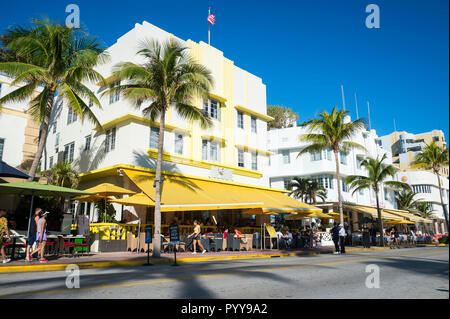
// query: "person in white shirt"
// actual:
[[342, 235]]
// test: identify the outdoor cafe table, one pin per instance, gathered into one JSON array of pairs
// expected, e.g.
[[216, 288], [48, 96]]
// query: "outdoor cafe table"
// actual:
[[14, 239], [66, 238]]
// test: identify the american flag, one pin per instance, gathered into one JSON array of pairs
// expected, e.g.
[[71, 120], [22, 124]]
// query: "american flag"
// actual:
[[212, 18]]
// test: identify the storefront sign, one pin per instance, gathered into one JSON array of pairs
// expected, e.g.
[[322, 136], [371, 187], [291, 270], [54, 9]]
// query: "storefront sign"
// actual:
[[148, 234], [174, 235], [221, 173]]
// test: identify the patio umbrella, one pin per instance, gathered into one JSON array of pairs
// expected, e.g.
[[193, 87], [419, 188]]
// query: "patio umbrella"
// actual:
[[92, 198], [106, 189], [9, 171], [38, 189]]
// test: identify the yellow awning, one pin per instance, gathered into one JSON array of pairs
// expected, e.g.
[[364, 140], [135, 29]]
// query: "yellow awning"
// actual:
[[308, 215], [408, 215], [183, 194], [372, 211], [136, 200]]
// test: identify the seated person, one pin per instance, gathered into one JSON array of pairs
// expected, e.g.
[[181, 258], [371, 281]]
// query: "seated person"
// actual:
[[237, 234]]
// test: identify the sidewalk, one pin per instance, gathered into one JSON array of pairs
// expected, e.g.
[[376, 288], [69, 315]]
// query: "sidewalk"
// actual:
[[116, 259]]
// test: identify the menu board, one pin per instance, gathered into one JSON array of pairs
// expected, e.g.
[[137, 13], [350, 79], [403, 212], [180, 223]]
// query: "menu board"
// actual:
[[271, 231], [174, 234]]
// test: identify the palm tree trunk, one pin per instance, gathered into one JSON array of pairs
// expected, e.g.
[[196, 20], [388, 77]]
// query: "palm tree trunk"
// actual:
[[157, 241], [43, 137], [380, 220], [442, 201], [338, 178]]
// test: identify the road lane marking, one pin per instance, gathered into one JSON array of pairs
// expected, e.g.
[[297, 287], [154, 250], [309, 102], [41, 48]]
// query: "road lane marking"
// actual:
[[231, 273]]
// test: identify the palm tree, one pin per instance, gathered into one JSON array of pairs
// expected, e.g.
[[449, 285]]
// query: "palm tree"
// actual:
[[331, 131], [62, 174], [434, 157], [405, 200], [53, 60], [299, 187], [424, 210], [307, 189], [378, 173], [315, 190], [168, 76]]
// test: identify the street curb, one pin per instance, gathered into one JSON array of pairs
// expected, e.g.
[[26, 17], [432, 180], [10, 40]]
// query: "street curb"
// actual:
[[106, 264]]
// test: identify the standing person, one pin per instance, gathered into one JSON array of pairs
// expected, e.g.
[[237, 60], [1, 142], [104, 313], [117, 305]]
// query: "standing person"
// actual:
[[41, 236], [373, 235], [197, 238], [366, 237], [342, 236], [32, 235], [335, 237], [4, 231]]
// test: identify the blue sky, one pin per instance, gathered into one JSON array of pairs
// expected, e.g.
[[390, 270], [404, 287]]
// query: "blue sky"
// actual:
[[303, 50]]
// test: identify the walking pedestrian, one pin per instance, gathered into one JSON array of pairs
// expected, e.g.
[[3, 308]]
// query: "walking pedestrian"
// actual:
[[342, 236], [33, 233], [4, 231], [41, 236], [197, 237], [335, 237]]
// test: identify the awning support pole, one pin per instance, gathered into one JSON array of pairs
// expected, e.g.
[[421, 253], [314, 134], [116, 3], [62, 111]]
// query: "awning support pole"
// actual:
[[29, 219]]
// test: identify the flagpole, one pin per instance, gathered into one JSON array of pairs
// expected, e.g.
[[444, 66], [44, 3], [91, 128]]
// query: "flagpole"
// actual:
[[356, 103], [368, 111], [343, 98], [209, 27]]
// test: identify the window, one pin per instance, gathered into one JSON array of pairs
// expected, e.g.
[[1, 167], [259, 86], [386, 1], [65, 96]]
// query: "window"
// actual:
[[71, 116], [253, 122], [51, 161], [326, 154], [325, 181], [343, 157], [154, 138], [205, 150], [286, 157], [361, 192], [87, 145], [358, 162], [240, 119], [57, 140], [68, 152], [240, 158], [2, 144], [211, 107], [178, 143], [286, 182], [254, 161], [114, 96], [386, 195], [54, 127], [210, 151], [344, 186], [214, 151], [110, 140], [316, 156], [436, 138], [422, 189]]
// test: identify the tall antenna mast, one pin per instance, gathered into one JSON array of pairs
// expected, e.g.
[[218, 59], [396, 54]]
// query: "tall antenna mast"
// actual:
[[356, 103], [368, 110], [395, 127], [343, 98], [209, 27]]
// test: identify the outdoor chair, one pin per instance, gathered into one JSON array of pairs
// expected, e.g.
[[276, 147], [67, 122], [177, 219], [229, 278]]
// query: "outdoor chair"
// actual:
[[246, 242], [131, 242]]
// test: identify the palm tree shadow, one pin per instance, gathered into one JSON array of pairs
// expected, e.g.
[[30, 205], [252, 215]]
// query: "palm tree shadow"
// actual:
[[90, 159]]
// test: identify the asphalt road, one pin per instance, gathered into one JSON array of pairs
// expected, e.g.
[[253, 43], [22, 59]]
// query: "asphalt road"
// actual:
[[403, 273]]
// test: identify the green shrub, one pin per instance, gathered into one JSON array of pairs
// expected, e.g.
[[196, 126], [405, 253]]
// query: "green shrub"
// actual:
[[443, 240]]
